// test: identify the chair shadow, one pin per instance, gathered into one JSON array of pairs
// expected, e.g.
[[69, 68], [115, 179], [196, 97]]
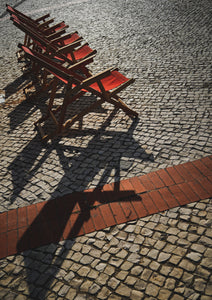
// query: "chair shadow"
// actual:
[[27, 103], [67, 216], [63, 218], [30, 160], [71, 215]]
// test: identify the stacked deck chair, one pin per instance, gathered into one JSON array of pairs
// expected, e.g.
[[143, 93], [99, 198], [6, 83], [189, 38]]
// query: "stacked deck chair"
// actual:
[[41, 24], [51, 51], [105, 85], [66, 49]]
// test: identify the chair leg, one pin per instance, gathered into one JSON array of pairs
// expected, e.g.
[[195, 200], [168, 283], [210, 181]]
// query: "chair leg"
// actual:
[[80, 115], [120, 104]]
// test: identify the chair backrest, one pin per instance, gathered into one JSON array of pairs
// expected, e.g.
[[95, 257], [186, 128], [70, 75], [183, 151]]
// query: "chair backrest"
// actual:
[[16, 12], [36, 36], [69, 54], [62, 73]]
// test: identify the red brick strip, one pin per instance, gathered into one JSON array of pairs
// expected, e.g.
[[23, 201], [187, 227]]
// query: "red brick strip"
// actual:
[[80, 213]]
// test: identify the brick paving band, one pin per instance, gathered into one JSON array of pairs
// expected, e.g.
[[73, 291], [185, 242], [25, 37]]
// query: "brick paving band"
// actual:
[[95, 209]]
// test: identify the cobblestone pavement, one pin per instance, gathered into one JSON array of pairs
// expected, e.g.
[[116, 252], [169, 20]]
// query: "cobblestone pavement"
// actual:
[[165, 46], [163, 256]]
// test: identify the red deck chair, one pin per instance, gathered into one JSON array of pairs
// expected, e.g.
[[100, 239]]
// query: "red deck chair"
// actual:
[[105, 85], [40, 25], [68, 53]]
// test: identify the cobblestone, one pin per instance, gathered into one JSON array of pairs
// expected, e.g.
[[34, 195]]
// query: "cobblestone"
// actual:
[[187, 277]]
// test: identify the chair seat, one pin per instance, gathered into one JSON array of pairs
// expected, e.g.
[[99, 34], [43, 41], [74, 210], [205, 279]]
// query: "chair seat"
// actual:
[[110, 82], [74, 37], [81, 53]]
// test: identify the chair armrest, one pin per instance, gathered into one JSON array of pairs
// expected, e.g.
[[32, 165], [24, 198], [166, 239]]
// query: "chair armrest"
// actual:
[[70, 47], [56, 34], [81, 63], [46, 23], [43, 18], [122, 86], [64, 37], [52, 28], [87, 82]]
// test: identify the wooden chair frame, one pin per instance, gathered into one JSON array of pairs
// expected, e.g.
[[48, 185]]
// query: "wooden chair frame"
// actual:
[[77, 85], [53, 47]]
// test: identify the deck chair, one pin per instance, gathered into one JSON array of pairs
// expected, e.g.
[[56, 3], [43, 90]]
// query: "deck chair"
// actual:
[[105, 85], [65, 50], [39, 25]]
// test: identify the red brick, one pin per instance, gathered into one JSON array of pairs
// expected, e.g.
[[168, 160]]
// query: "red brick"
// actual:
[[139, 207], [111, 192], [94, 197], [137, 185], [128, 210], [169, 198], [207, 161], [175, 175], [126, 189], [48, 233], [31, 213], [77, 221], [3, 222], [158, 201], [146, 182], [35, 235], [206, 184], [185, 187], [22, 217], [3, 243], [12, 242], [199, 190], [126, 184], [184, 172], [148, 204], [179, 195], [88, 225], [67, 230], [157, 182], [12, 219], [23, 243], [40, 206], [107, 215], [108, 187], [195, 173], [210, 178], [75, 202], [97, 219], [118, 212], [166, 178], [202, 168]]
